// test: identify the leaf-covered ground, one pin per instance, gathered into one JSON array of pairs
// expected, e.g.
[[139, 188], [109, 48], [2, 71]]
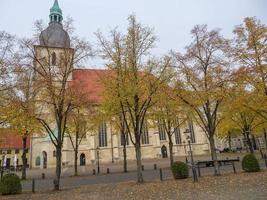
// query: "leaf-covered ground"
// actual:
[[245, 186]]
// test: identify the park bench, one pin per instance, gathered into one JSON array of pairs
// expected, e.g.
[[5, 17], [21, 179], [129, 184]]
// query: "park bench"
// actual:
[[210, 163]]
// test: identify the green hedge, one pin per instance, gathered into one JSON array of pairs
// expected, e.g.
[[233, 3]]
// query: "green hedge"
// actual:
[[250, 163], [10, 184], [180, 170]]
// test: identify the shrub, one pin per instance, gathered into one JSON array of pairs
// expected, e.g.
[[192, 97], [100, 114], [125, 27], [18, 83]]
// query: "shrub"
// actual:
[[250, 163], [10, 184], [180, 170]]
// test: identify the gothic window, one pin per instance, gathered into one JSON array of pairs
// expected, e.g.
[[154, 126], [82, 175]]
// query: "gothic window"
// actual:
[[162, 132], [54, 59], [192, 132], [103, 135], [177, 132], [144, 134], [38, 161], [124, 139]]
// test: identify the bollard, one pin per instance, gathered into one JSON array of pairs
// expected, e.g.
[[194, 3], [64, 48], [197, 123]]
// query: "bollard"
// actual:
[[143, 168], [93, 171], [33, 186], [233, 163], [155, 166], [43, 175], [160, 174], [107, 170], [198, 169], [194, 174], [265, 159]]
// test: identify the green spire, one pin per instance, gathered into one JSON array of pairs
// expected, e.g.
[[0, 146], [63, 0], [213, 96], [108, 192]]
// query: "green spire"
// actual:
[[55, 13]]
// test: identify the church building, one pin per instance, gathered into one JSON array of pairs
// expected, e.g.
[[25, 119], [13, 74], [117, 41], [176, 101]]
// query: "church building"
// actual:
[[105, 142]]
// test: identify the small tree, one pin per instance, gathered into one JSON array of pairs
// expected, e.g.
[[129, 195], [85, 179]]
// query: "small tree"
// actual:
[[22, 116], [79, 121], [168, 114], [236, 110]]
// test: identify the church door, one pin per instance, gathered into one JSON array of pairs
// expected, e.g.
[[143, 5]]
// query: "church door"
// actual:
[[164, 152], [44, 160], [82, 159]]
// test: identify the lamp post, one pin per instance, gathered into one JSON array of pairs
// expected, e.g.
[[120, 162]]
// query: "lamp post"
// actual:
[[97, 156], [185, 152], [2, 167], [188, 137]]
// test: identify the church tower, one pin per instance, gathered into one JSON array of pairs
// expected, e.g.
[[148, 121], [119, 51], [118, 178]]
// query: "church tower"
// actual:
[[53, 62], [54, 47]]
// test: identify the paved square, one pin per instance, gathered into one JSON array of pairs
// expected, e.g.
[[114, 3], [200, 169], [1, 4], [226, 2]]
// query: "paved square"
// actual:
[[245, 186]]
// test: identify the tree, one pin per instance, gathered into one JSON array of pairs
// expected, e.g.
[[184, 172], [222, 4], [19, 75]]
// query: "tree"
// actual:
[[168, 113], [249, 49], [202, 80], [54, 99], [111, 111], [17, 98], [7, 51], [21, 116], [136, 79], [79, 121]]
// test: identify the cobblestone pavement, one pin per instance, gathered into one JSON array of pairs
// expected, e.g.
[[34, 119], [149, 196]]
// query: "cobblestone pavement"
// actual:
[[240, 186]]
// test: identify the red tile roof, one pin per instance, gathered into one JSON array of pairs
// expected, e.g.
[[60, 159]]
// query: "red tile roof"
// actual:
[[89, 82], [10, 139]]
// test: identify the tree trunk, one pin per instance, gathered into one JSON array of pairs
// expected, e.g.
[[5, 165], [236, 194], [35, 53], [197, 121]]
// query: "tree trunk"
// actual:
[[171, 152], [246, 141], [265, 138], [58, 167], [249, 142], [229, 141], [124, 157], [24, 158], [139, 162], [214, 156], [75, 162]]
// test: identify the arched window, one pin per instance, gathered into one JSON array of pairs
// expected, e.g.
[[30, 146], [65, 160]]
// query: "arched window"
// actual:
[[102, 134], [124, 139], [177, 132], [162, 132], [144, 136], [192, 131], [38, 161], [82, 159], [54, 59]]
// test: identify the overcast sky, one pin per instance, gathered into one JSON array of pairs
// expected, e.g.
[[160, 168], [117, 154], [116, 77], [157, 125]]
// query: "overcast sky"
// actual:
[[172, 19]]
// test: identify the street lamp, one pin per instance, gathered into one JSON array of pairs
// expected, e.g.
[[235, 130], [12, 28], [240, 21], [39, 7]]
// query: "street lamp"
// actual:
[[185, 152], [188, 137], [2, 166], [97, 156]]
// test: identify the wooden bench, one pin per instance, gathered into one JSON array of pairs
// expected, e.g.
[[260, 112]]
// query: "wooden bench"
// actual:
[[210, 163]]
